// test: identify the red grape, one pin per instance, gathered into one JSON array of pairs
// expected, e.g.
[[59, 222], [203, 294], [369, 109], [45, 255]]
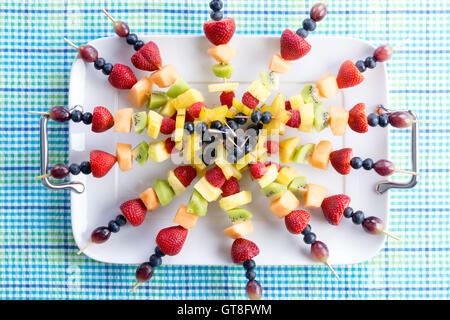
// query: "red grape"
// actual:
[[318, 12], [59, 113], [121, 28], [60, 171], [383, 53], [319, 251], [253, 290], [383, 167], [144, 272], [373, 225], [100, 235], [88, 53], [400, 119]]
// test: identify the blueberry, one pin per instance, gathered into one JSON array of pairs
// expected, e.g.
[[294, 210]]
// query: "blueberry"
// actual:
[[207, 137], [99, 63], [85, 167], [247, 147], [302, 32], [216, 5], [189, 127], [256, 116], [367, 164], [74, 169], [358, 217], [249, 264], [233, 125], [139, 44], [216, 125], [309, 24], [87, 118], [383, 120], [309, 238], [216, 15], [370, 62], [121, 220], [373, 119], [107, 68], [155, 260], [76, 115], [266, 117], [113, 226], [252, 130], [131, 38], [240, 121], [356, 162], [201, 127], [239, 152], [348, 212], [231, 158], [250, 274], [360, 65], [158, 252], [306, 230]]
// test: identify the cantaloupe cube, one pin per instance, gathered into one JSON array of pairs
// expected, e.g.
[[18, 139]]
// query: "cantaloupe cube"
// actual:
[[278, 64], [222, 53], [184, 218], [123, 120], [327, 86], [338, 120], [288, 148], [239, 230], [282, 206], [140, 92], [150, 199], [314, 196], [165, 77], [321, 155], [124, 156]]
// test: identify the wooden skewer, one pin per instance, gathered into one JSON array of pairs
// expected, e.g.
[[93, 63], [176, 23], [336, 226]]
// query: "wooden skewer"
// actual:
[[215, 131], [243, 143], [407, 172], [108, 15], [134, 287], [400, 44], [425, 121], [38, 112], [390, 235], [70, 43], [231, 140], [84, 248], [234, 133], [332, 270], [43, 176]]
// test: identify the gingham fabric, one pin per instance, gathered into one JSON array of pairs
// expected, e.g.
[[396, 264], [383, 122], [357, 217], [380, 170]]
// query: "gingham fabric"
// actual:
[[37, 252]]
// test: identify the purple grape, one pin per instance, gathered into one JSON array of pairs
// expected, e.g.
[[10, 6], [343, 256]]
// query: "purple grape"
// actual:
[[59, 114], [319, 251], [400, 119], [100, 235], [121, 29], [318, 12], [144, 272], [383, 53], [383, 167], [373, 225], [88, 53], [253, 290], [60, 171]]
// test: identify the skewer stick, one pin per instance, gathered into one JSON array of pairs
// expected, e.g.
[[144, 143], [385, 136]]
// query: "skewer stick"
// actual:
[[232, 132], [134, 287], [38, 112], [243, 143], [43, 176], [108, 15], [215, 131], [425, 121], [70, 43], [400, 44], [332, 270], [407, 172], [391, 235], [84, 248], [231, 140]]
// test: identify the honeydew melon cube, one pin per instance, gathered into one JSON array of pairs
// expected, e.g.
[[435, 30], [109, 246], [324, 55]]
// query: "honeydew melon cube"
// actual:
[[180, 86]]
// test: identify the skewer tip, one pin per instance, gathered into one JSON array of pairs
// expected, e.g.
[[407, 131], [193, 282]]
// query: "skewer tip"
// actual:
[[70, 43], [134, 287], [108, 15], [332, 270], [390, 235], [47, 175], [84, 248]]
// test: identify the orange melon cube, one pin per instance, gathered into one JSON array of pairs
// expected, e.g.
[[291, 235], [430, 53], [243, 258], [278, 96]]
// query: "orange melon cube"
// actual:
[[338, 120], [140, 92], [123, 120], [321, 155], [165, 77], [314, 196], [278, 64], [184, 218], [222, 53], [327, 86], [239, 230], [124, 156], [282, 206], [150, 199]]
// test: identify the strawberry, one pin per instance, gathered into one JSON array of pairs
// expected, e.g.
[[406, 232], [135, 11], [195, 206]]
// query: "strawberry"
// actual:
[[296, 221], [167, 126], [215, 177], [249, 100], [226, 98], [268, 163], [294, 121], [188, 118], [230, 187], [333, 208], [219, 32], [243, 250], [287, 105], [349, 75], [102, 119], [101, 162], [121, 77], [195, 109], [185, 174], [340, 160], [147, 58], [134, 210], [170, 240], [357, 119], [170, 145], [272, 146], [257, 170], [293, 46]]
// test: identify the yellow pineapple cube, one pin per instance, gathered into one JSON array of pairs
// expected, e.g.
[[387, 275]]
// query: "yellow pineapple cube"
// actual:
[[175, 183], [235, 200], [278, 104], [188, 98], [208, 191], [242, 107], [259, 91], [275, 127], [219, 113], [269, 177], [223, 86], [286, 175], [288, 148], [245, 160], [157, 151], [188, 150], [179, 128], [296, 101], [154, 121], [168, 110]]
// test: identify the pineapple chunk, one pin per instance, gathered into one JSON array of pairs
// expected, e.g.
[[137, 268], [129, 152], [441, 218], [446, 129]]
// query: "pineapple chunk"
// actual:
[[188, 151], [157, 151], [179, 128], [275, 127], [245, 160], [239, 230], [278, 64], [286, 175], [259, 90], [188, 98], [222, 53], [154, 121], [168, 110], [223, 86], [307, 116], [175, 183], [208, 191], [276, 107], [139, 93], [296, 101], [242, 107], [288, 148], [235, 200], [269, 177], [219, 113]]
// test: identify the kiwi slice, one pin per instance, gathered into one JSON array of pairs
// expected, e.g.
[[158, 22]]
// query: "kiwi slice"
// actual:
[[270, 80], [140, 121], [223, 70], [274, 190], [310, 94], [304, 153], [298, 187], [321, 117], [156, 100], [140, 153], [238, 215], [163, 191], [180, 86], [197, 205]]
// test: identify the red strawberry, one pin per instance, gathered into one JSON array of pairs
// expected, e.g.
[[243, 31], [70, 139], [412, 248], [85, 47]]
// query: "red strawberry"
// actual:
[[243, 249], [102, 119], [170, 240], [122, 77], [101, 162], [295, 120], [333, 208], [249, 100], [188, 117], [257, 170], [340, 160], [293, 46], [272, 146], [226, 98], [268, 163], [185, 174], [357, 119], [230, 187], [287, 105], [215, 177], [219, 32], [195, 109], [167, 126], [147, 58], [170, 145], [349, 75], [296, 221], [134, 210]]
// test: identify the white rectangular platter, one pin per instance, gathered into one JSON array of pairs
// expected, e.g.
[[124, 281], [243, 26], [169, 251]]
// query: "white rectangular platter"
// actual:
[[206, 244]]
